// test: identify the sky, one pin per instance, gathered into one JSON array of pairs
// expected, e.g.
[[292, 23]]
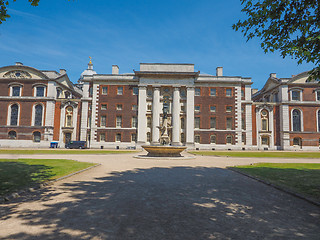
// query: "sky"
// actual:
[[62, 34]]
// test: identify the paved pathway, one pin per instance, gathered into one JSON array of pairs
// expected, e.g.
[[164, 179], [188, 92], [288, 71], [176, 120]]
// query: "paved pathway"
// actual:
[[128, 198]]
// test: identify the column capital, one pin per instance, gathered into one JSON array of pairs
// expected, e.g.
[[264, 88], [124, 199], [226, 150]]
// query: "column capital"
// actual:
[[176, 88], [188, 87], [142, 86], [156, 88]]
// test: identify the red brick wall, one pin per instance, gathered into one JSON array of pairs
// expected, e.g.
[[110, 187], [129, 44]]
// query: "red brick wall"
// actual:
[[57, 113]]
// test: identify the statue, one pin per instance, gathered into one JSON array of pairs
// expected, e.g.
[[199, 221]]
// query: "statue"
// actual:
[[164, 137]]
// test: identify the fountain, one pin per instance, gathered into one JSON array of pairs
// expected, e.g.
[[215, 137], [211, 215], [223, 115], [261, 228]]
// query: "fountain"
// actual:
[[164, 149]]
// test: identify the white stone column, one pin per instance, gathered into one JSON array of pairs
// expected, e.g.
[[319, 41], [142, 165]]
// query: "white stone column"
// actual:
[[176, 117], [84, 120], [190, 117], [155, 115], [142, 118]]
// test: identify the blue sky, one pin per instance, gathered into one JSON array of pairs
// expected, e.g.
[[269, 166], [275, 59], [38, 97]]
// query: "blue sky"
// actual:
[[63, 34]]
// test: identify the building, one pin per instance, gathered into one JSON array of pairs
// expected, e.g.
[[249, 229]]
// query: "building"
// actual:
[[125, 110]]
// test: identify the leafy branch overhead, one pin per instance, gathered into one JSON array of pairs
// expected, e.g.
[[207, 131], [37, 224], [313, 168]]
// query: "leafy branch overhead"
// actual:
[[289, 26], [4, 11]]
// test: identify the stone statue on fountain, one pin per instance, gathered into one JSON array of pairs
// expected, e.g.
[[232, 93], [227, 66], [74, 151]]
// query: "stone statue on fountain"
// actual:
[[164, 137]]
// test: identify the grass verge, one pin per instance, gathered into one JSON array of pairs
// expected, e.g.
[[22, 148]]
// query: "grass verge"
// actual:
[[63, 151], [301, 178], [16, 174], [247, 154]]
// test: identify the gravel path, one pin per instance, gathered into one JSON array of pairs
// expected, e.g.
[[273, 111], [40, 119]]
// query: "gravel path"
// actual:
[[129, 198]]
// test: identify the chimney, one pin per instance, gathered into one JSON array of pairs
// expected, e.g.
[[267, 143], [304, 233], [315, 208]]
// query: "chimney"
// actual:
[[273, 75], [63, 71], [19, 64], [219, 71], [115, 69]]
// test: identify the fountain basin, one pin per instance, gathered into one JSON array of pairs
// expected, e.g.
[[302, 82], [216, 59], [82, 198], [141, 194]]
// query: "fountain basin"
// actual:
[[164, 151]]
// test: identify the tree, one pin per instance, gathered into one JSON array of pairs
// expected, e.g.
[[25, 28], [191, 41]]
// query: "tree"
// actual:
[[289, 26], [4, 11]]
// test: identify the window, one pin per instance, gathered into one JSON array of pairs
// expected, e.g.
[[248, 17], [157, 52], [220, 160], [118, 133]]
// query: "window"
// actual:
[[12, 135], [197, 122], [133, 137], [243, 123], [102, 137], [134, 107], [149, 107], [229, 123], [149, 122], [134, 122], [104, 107], [318, 95], [119, 106], [38, 115], [149, 93], [213, 122], [67, 95], [213, 92], [104, 90], [16, 91], [182, 123], [243, 138], [264, 120], [229, 92], [40, 91], [69, 114], [197, 92], [182, 92], [242, 93], [58, 92], [197, 138], [183, 108], [229, 139], [103, 121], [14, 115], [318, 120], [296, 120], [118, 137], [148, 137], [212, 108], [265, 140], [197, 108], [295, 95], [119, 121], [120, 91], [297, 141], [228, 109], [213, 139], [36, 136], [135, 91]]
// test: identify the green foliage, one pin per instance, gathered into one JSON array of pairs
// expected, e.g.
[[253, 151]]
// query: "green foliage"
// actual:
[[4, 11], [289, 26], [63, 151], [303, 178]]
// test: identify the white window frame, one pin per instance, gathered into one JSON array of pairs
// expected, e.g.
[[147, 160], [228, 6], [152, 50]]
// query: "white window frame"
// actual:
[[9, 114], [117, 122], [117, 134], [35, 86], [120, 92], [296, 90], [301, 118], [14, 84], [317, 94], [34, 114]]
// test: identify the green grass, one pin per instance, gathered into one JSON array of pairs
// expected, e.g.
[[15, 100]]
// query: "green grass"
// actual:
[[302, 178], [265, 154], [16, 174], [62, 151]]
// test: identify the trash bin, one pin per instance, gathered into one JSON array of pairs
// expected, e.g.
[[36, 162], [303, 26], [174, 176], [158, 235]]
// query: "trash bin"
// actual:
[[101, 147], [117, 147], [54, 145]]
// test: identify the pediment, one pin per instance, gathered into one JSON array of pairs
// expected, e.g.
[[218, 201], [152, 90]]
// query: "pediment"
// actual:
[[270, 84], [21, 72]]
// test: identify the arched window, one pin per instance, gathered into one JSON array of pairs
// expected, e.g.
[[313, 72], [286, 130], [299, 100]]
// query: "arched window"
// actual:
[[229, 139], [36, 136], [14, 115], [12, 135], [296, 120], [264, 120], [38, 115], [69, 114], [297, 142]]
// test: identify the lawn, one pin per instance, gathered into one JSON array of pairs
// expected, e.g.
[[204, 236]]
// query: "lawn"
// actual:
[[302, 178], [62, 151], [16, 174], [265, 154]]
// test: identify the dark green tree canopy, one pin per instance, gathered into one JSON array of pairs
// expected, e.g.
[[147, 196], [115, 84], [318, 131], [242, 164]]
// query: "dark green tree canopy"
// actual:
[[289, 26], [4, 11]]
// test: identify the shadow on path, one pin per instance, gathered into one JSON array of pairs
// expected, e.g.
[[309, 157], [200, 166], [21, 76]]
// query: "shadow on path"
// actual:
[[172, 203]]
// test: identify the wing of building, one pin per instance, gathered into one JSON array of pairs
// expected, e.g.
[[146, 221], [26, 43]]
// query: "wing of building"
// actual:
[[126, 110]]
